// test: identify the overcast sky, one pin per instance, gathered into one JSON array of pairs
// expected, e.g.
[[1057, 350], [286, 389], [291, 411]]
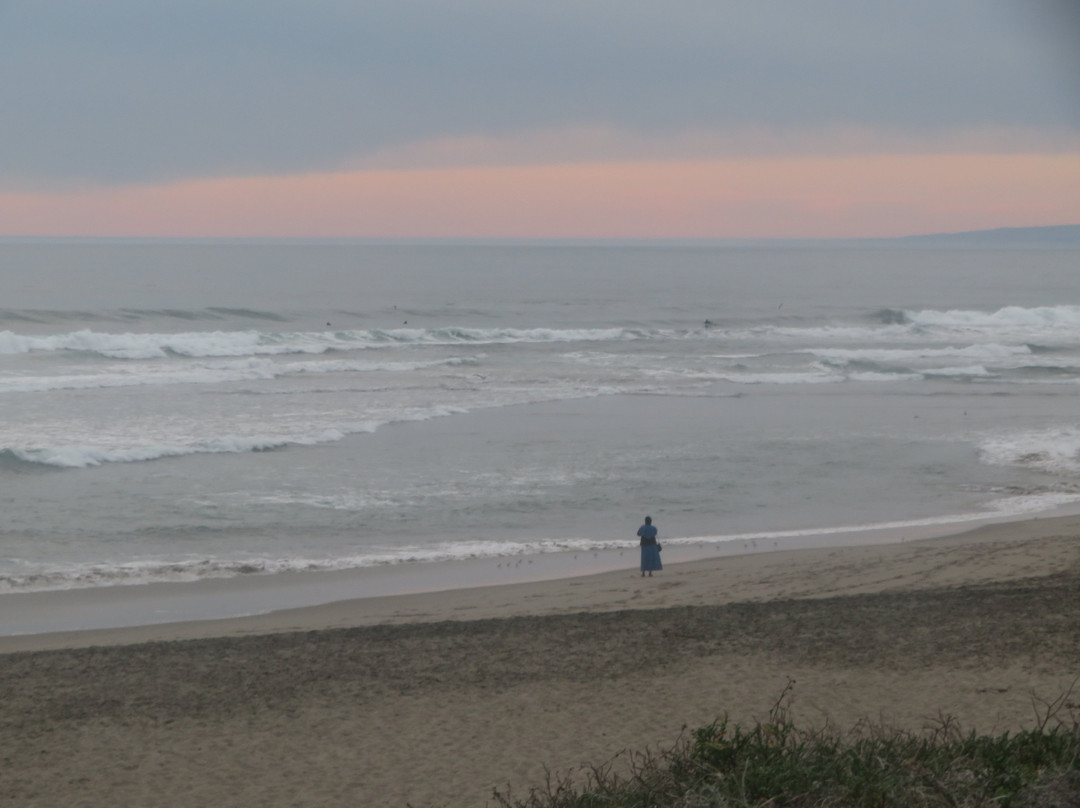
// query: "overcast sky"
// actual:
[[141, 93]]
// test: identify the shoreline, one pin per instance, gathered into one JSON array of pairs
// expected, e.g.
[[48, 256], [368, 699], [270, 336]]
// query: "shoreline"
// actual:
[[555, 583], [436, 699], [128, 603]]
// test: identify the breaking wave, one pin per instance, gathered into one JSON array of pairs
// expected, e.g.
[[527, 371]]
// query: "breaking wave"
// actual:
[[83, 456], [1053, 450], [1043, 327], [255, 343], [210, 372]]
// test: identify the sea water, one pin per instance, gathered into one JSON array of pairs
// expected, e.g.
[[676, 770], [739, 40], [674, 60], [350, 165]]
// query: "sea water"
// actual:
[[175, 411]]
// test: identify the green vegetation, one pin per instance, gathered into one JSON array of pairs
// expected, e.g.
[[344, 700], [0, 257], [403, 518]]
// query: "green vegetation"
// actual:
[[777, 764]]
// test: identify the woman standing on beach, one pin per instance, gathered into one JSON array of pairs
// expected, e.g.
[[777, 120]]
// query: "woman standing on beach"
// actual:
[[650, 550]]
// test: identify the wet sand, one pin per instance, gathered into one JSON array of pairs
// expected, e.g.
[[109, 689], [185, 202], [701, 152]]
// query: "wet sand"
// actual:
[[436, 699]]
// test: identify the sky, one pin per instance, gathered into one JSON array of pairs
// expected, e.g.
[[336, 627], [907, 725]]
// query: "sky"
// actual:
[[688, 119]]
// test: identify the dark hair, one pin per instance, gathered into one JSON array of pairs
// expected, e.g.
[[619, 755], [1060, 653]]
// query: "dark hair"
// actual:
[[648, 520]]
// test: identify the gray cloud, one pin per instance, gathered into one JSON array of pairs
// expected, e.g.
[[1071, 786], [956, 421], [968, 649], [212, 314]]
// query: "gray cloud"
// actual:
[[123, 91]]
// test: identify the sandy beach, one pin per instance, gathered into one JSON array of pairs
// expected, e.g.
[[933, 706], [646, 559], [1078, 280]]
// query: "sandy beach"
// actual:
[[437, 699]]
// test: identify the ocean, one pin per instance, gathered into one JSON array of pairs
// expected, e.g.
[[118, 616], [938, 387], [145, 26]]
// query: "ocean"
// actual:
[[178, 411]]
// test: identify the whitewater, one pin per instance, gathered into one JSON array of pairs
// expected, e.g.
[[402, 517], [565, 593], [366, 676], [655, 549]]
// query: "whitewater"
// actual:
[[184, 411]]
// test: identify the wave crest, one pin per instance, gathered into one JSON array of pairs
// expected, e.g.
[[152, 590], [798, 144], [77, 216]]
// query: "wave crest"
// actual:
[[253, 343], [84, 456], [1010, 316]]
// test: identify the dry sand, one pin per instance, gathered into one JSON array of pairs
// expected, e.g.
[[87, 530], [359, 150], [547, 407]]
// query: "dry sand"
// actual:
[[435, 700]]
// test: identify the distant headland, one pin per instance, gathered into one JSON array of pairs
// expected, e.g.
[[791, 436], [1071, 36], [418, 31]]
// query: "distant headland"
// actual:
[[1057, 235]]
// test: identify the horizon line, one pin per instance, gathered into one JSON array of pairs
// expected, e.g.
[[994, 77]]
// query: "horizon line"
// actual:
[[996, 233]]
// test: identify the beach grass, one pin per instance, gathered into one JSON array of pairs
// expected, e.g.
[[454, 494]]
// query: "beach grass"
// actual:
[[777, 763]]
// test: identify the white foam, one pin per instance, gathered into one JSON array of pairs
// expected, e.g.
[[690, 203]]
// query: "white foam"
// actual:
[[780, 378], [142, 572], [1012, 320], [973, 371], [1040, 318], [880, 376], [253, 343], [1055, 450], [990, 351], [101, 447], [1060, 324], [82, 456], [208, 372], [138, 346]]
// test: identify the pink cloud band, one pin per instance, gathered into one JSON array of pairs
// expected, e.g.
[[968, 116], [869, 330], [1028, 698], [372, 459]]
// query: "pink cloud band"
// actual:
[[860, 196]]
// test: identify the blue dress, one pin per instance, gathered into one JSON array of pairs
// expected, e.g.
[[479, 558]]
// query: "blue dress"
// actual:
[[650, 550]]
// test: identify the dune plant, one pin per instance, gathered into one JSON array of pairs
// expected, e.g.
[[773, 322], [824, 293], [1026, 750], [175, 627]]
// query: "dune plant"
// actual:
[[776, 763]]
